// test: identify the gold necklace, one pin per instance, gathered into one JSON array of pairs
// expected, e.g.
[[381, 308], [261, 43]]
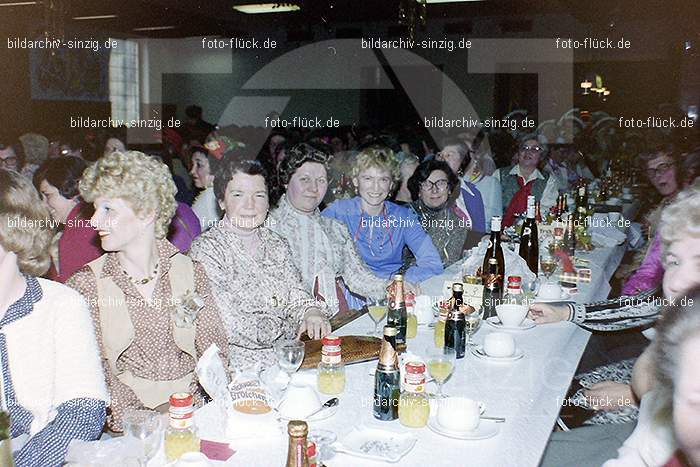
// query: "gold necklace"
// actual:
[[145, 280]]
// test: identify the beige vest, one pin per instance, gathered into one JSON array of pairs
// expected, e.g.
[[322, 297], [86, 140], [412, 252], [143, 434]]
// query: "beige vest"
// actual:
[[118, 330]]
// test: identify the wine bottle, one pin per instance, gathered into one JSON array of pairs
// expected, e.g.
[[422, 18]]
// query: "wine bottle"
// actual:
[[570, 237], [494, 249], [581, 204], [5, 440], [397, 315], [387, 379], [493, 288], [529, 243]]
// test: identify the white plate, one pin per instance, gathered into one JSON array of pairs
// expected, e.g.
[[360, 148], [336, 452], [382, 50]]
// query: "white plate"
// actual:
[[322, 415], [485, 430], [496, 323], [373, 443], [565, 297], [478, 351]]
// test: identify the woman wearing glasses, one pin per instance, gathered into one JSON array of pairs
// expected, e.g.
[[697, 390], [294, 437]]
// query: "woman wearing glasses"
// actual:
[[520, 180], [430, 186], [379, 227], [469, 202]]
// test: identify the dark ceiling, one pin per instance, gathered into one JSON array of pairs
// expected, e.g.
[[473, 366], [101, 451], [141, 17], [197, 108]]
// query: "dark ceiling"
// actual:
[[217, 17]]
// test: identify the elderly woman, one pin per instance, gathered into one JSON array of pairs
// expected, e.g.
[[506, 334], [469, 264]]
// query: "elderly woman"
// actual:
[[680, 237], [52, 381], [152, 308], [380, 228], [322, 248], [76, 244], [480, 172], [431, 186], [256, 284], [470, 204], [520, 180]]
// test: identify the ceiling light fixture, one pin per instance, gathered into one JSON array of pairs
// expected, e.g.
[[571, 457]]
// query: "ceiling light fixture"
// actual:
[[18, 4], [154, 28], [86, 18], [256, 8]]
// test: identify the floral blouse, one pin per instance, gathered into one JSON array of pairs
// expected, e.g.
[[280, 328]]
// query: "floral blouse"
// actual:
[[260, 293]]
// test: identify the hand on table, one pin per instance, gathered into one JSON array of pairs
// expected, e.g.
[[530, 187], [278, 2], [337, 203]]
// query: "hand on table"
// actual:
[[542, 313], [315, 324], [609, 396]]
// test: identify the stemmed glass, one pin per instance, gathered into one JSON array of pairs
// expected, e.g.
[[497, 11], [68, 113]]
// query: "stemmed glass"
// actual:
[[441, 364], [530, 288], [473, 323], [147, 427], [290, 354], [548, 264], [377, 312]]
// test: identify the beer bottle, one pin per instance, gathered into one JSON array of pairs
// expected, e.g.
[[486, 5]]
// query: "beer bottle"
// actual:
[[397, 315], [296, 453], [387, 379], [529, 243]]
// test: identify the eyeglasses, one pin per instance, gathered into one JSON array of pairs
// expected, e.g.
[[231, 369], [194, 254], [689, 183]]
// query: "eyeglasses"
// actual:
[[440, 185], [525, 147], [660, 169], [8, 161]]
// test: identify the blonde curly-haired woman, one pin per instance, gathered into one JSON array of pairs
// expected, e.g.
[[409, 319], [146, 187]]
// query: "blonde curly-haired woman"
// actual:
[[152, 306]]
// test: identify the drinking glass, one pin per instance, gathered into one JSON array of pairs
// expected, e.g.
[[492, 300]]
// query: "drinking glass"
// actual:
[[377, 312], [441, 364], [548, 264], [473, 323], [530, 288], [147, 427], [290, 354]]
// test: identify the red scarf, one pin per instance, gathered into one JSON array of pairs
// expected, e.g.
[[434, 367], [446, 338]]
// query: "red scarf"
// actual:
[[518, 204], [339, 291]]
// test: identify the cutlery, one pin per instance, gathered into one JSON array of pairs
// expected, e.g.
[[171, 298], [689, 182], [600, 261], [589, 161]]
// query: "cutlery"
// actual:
[[329, 403], [494, 419]]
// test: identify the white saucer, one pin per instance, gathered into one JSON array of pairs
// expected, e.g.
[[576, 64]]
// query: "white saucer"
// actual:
[[322, 415], [525, 325], [485, 430], [478, 351], [565, 297]]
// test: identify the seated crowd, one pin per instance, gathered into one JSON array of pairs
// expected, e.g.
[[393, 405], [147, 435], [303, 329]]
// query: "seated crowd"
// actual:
[[272, 245]]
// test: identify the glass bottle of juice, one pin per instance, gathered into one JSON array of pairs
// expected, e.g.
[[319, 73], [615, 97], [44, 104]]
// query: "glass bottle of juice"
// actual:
[[181, 435], [331, 370], [414, 408]]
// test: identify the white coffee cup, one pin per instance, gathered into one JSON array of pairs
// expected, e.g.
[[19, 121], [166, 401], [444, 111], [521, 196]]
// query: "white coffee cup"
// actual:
[[424, 309], [511, 315], [499, 345], [549, 291], [458, 413], [299, 401]]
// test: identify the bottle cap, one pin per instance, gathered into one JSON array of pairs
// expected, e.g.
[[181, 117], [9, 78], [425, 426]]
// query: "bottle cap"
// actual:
[[415, 367], [310, 449], [514, 279], [398, 277], [297, 428], [181, 399], [390, 331], [457, 286], [330, 340]]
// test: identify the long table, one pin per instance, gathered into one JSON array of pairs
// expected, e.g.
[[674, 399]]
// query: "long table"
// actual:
[[527, 392]]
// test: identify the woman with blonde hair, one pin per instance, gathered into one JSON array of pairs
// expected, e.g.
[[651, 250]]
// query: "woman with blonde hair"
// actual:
[[151, 306], [380, 228], [52, 381]]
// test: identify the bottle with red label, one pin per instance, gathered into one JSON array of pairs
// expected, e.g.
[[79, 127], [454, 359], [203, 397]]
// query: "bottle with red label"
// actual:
[[414, 408], [181, 435], [331, 370]]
